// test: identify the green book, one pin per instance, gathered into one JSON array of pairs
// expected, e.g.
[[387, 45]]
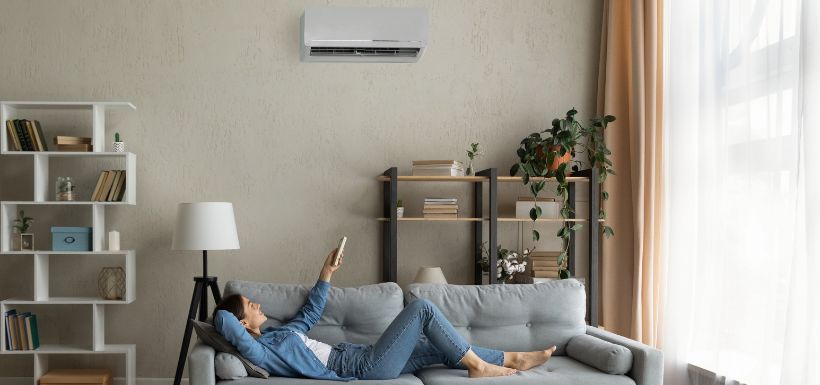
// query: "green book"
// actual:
[[40, 134], [33, 334]]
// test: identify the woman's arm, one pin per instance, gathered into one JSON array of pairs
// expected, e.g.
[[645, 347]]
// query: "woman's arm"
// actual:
[[228, 325], [315, 305]]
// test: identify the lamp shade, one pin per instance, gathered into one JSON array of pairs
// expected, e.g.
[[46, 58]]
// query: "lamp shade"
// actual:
[[205, 226], [428, 274]]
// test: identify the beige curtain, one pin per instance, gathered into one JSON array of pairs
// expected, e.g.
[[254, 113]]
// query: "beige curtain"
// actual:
[[630, 87]]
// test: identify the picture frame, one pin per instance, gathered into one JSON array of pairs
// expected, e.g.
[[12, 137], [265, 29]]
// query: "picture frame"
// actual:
[[27, 242]]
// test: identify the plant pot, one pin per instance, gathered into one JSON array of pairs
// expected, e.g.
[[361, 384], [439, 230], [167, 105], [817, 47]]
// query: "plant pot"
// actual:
[[118, 146], [399, 212], [557, 161]]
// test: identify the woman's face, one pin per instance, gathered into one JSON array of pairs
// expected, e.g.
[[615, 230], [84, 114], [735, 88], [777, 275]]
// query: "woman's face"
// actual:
[[254, 318]]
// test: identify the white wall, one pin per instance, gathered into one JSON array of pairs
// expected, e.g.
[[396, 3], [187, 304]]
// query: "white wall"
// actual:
[[226, 111]]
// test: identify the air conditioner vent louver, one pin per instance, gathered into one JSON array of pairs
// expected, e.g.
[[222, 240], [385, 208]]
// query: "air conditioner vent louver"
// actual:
[[364, 51]]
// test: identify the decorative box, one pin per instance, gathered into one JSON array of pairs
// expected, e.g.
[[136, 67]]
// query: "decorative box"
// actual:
[[77, 377], [70, 238], [549, 207]]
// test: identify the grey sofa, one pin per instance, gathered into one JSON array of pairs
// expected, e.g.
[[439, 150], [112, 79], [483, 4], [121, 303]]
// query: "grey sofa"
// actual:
[[506, 317]]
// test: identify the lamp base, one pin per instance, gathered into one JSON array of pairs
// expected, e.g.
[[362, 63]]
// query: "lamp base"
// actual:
[[198, 300]]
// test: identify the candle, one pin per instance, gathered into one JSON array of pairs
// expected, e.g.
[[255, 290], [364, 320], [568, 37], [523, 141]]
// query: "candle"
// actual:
[[113, 240]]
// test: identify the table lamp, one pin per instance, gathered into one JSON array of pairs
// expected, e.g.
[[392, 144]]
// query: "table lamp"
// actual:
[[428, 274], [202, 226]]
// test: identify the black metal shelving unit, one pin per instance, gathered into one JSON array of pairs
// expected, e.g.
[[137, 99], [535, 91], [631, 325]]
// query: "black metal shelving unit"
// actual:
[[390, 179]]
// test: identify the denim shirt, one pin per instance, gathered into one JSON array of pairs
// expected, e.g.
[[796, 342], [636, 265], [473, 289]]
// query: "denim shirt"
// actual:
[[280, 350]]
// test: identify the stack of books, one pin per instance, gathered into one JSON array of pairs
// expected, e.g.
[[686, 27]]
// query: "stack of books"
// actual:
[[544, 264], [21, 331], [438, 168], [440, 208], [26, 135], [73, 143], [110, 186]]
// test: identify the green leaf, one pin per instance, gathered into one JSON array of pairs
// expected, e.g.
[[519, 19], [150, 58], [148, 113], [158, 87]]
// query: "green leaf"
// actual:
[[608, 232], [535, 212], [526, 178], [564, 274], [562, 258], [536, 235], [576, 227], [609, 118], [514, 169], [604, 195]]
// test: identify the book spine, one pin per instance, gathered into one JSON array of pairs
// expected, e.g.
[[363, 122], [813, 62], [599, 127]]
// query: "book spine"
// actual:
[[35, 332], [21, 132], [43, 140]]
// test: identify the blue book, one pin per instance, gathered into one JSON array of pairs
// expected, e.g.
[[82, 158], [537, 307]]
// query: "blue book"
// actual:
[[9, 329]]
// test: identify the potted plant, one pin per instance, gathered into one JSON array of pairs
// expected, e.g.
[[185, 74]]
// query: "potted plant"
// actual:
[[473, 152], [509, 264], [399, 209], [22, 240], [550, 154], [118, 145]]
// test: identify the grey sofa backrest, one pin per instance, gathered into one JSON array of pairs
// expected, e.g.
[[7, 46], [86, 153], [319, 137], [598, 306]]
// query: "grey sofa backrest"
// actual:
[[511, 317], [357, 315]]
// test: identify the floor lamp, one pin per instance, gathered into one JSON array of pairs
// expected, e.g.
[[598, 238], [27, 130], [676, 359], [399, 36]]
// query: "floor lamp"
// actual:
[[202, 226]]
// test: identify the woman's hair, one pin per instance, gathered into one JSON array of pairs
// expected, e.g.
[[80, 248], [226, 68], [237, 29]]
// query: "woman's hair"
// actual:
[[233, 304]]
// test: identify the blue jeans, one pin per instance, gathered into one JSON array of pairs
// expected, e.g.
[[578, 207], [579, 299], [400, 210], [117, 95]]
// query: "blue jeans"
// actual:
[[419, 336]]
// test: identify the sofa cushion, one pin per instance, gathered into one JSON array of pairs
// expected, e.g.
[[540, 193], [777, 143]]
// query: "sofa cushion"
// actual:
[[357, 315], [229, 367], [208, 334], [556, 371], [606, 356], [511, 317], [404, 379]]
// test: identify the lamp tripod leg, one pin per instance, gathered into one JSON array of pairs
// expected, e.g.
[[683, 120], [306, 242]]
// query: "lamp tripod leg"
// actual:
[[199, 288]]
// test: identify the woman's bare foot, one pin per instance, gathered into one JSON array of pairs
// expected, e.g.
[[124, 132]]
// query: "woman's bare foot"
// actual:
[[489, 370], [527, 360]]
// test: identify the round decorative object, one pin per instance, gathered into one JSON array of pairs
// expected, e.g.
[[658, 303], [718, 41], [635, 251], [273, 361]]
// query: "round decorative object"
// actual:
[[118, 146], [111, 283]]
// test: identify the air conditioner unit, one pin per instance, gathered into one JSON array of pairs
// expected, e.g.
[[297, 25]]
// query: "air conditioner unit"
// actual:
[[376, 35]]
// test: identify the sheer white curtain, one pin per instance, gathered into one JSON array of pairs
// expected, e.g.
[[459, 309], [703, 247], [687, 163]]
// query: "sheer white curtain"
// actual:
[[743, 230]]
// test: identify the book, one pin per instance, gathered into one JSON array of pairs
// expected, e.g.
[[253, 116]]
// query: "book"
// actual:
[[441, 215], [100, 181], [440, 211], [531, 199], [9, 331], [32, 334], [32, 132], [62, 139], [106, 187], [14, 141], [39, 129], [75, 147], [440, 201], [115, 182], [545, 274], [120, 193], [437, 172], [21, 330], [25, 143], [537, 253]]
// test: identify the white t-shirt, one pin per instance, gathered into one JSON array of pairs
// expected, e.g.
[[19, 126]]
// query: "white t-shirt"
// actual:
[[320, 349]]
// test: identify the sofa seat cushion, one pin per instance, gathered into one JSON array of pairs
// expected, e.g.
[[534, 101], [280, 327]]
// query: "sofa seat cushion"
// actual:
[[511, 317], [357, 315], [404, 379], [556, 371]]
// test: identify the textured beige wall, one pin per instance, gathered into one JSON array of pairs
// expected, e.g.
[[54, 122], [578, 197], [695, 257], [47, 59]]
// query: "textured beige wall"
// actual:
[[226, 111]]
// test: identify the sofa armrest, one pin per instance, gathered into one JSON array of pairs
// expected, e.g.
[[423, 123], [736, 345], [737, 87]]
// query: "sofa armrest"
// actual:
[[201, 365], [647, 362]]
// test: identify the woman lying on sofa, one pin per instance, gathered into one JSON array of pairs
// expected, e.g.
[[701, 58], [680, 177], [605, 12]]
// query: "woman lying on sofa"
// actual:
[[419, 336]]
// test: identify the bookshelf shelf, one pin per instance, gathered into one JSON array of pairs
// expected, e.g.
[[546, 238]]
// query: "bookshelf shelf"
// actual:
[[67, 154], [418, 219], [518, 179], [75, 349], [414, 178], [546, 220], [66, 301], [40, 258]]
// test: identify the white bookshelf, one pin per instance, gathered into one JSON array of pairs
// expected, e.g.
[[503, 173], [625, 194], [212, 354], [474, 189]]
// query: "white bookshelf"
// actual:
[[41, 258]]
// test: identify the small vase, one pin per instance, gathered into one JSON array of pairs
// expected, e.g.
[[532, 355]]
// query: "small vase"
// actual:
[[16, 241], [399, 212], [111, 283], [118, 146], [469, 171]]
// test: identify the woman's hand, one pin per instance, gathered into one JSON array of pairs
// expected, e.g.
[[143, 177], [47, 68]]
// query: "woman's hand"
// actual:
[[328, 269]]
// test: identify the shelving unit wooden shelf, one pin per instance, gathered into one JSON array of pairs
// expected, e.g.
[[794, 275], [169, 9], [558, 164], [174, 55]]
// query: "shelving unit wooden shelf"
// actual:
[[390, 179], [41, 258]]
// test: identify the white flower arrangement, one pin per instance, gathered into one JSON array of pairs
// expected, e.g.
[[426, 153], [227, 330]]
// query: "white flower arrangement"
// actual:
[[508, 263]]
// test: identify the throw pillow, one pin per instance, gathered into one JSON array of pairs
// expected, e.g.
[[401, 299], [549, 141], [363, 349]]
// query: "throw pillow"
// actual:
[[228, 367], [603, 355], [208, 334]]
